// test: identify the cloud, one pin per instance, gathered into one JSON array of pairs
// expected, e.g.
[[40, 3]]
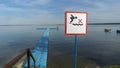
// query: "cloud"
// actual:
[[27, 16], [32, 2], [52, 12], [17, 15], [100, 11], [4, 7], [30, 19], [105, 12]]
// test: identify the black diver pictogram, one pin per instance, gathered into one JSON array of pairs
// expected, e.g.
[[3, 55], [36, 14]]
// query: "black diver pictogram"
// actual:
[[72, 18]]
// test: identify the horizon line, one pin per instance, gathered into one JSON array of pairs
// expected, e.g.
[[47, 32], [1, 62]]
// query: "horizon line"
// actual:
[[55, 24]]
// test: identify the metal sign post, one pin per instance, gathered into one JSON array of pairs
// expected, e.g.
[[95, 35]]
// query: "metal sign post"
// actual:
[[76, 23], [75, 52]]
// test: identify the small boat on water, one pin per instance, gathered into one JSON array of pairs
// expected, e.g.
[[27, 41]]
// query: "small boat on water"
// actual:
[[117, 31], [107, 30]]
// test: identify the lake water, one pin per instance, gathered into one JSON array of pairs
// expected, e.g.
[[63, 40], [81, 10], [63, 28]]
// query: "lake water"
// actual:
[[98, 46]]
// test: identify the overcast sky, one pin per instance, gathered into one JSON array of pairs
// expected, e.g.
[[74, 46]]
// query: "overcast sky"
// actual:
[[52, 11]]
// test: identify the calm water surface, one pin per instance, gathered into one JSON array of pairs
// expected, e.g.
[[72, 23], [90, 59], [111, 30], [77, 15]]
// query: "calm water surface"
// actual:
[[101, 47]]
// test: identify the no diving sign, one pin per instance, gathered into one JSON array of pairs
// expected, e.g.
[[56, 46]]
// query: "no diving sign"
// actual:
[[76, 23]]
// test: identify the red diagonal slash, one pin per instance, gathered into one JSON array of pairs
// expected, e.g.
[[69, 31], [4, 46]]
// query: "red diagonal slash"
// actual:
[[80, 21]]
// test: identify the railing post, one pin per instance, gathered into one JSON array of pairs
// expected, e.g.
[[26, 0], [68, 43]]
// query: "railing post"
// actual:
[[28, 57], [29, 54]]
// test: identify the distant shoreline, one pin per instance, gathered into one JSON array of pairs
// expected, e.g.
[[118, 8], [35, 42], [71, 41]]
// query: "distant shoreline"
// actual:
[[104, 24], [60, 24]]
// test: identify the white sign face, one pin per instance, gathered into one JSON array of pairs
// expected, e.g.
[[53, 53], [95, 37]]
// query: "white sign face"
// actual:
[[76, 23]]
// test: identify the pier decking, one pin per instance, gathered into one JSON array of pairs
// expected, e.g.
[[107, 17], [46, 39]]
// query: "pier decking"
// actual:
[[40, 51]]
